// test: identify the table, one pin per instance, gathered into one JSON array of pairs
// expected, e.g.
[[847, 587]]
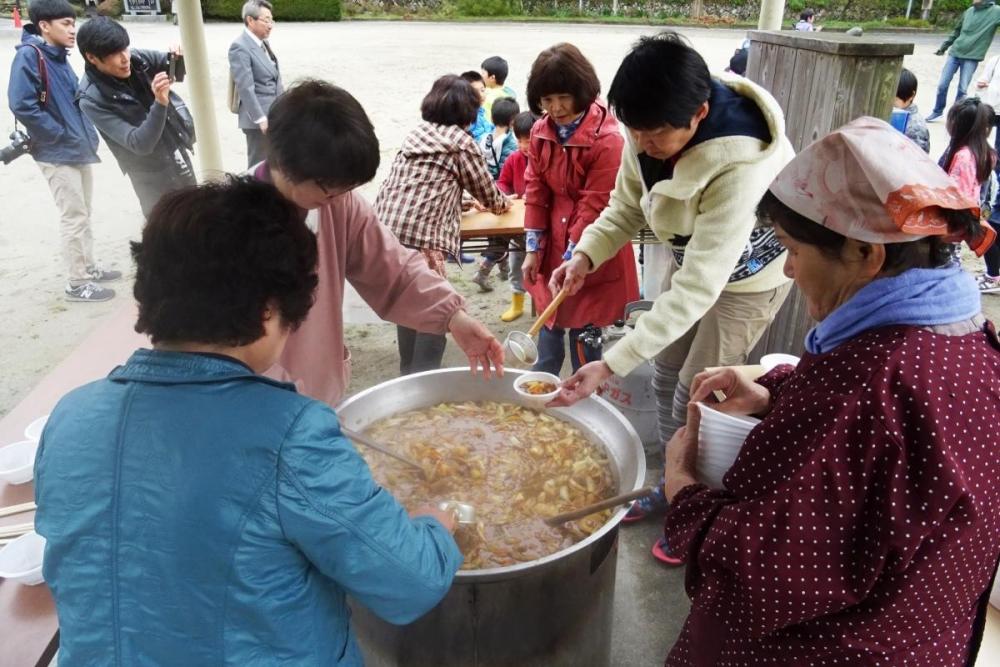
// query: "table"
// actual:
[[29, 629], [478, 227]]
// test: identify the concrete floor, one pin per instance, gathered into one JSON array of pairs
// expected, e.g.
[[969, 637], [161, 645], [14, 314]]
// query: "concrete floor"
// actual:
[[650, 602]]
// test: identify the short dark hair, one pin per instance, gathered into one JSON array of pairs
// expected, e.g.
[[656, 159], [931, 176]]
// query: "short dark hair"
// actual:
[[50, 10], [101, 36], [662, 81], [927, 253], [806, 14], [497, 67], [317, 131], [562, 70], [907, 86], [451, 101], [473, 76], [214, 256], [523, 122], [504, 109]]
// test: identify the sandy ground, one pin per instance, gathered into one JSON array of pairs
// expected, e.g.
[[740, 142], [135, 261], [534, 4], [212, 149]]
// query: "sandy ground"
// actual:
[[388, 66]]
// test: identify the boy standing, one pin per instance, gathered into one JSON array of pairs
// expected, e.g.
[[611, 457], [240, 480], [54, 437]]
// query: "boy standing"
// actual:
[[482, 126], [494, 70], [497, 146], [512, 182], [916, 126], [42, 96]]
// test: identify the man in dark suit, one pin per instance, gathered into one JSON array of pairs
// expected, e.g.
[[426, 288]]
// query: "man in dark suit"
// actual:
[[256, 76]]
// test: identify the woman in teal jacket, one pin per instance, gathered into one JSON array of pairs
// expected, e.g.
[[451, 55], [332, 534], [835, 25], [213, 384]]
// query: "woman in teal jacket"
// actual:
[[198, 513]]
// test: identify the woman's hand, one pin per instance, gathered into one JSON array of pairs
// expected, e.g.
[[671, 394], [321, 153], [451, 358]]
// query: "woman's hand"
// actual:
[[743, 397], [581, 384], [680, 460], [570, 274], [530, 266], [479, 345], [447, 519]]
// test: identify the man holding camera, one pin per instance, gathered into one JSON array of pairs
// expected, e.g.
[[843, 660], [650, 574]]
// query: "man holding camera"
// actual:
[[255, 75], [42, 96], [126, 93]]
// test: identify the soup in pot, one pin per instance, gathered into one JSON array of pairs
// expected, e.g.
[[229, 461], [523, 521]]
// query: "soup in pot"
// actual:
[[516, 466]]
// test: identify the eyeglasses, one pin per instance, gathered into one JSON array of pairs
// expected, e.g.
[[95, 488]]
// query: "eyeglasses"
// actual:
[[264, 21]]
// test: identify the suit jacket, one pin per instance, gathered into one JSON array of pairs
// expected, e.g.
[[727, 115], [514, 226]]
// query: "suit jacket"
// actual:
[[257, 78]]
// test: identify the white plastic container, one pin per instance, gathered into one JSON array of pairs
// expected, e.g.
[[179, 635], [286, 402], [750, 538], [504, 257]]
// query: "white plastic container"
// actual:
[[536, 401], [34, 429], [21, 560], [17, 462], [772, 361], [720, 439]]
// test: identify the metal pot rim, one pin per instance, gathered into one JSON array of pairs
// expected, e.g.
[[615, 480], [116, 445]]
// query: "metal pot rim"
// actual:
[[589, 403]]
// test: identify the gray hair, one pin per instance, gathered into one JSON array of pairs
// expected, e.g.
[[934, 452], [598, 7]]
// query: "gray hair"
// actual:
[[251, 8]]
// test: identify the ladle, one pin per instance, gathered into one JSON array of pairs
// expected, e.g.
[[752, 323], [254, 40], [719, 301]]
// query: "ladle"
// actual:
[[379, 447], [522, 345], [621, 499]]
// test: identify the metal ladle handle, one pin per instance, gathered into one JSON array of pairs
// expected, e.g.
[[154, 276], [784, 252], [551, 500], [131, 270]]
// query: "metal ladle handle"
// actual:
[[379, 447], [547, 313], [597, 507]]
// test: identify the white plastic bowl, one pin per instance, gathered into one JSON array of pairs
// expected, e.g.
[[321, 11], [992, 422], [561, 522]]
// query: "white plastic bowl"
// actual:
[[772, 361], [34, 429], [536, 400], [21, 560], [720, 439], [17, 462]]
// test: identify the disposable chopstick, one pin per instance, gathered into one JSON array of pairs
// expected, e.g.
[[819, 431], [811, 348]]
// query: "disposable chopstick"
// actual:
[[16, 530], [17, 509]]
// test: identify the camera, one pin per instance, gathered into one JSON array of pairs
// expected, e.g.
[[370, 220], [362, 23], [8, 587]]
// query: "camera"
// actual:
[[20, 143]]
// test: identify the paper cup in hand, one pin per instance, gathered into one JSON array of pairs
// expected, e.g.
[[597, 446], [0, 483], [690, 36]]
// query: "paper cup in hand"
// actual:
[[720, 438]]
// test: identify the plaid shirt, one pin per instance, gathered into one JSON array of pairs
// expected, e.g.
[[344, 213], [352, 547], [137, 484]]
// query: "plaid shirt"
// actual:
[[421, 199]]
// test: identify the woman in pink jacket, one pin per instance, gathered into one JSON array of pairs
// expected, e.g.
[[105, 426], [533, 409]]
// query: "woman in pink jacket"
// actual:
[[321, 146], [575, 153]]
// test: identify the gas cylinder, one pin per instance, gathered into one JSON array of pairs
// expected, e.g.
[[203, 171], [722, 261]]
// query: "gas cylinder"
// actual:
[[633, 394]]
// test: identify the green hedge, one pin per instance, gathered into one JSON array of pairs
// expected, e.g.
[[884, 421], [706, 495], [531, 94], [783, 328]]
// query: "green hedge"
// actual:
[[284, 10]]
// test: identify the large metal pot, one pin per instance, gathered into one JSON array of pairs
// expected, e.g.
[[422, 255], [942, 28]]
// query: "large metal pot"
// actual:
[[550, 612]]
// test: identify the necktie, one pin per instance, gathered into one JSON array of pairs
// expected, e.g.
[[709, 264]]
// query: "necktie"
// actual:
[[270, 53]]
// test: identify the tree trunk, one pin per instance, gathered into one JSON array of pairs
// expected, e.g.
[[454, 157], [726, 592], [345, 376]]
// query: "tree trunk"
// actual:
[[771, 13], [925, 9], [697, 9]]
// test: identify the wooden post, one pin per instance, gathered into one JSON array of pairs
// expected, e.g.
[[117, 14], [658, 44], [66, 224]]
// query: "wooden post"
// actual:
[[821, 81], [771, 13], [208, 152]]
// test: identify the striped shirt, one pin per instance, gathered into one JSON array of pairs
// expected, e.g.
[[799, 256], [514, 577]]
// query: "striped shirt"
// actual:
[[421, 199]]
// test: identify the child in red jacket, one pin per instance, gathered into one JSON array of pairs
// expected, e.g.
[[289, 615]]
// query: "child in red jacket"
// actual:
[[511, 182]]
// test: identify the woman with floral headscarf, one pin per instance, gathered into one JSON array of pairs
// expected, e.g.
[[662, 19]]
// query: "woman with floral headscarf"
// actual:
[[858, 525]]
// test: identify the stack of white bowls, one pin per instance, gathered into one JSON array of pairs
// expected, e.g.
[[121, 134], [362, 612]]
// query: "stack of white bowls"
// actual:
[[720, 438]]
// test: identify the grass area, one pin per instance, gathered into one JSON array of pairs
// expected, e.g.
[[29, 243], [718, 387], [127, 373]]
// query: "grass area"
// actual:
[[893, 25]]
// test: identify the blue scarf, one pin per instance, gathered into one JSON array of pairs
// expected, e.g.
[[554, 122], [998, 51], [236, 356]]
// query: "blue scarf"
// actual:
[[919, 297], [564, 132]]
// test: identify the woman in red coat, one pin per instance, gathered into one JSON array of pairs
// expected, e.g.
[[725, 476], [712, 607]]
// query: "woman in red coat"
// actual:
[[575, 152]]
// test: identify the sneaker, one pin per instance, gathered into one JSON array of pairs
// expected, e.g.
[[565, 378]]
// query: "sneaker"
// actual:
[[647, 506], [483, 280], [99, 275], [987, 284], [934, 115], [89, 292], [661, 552]]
